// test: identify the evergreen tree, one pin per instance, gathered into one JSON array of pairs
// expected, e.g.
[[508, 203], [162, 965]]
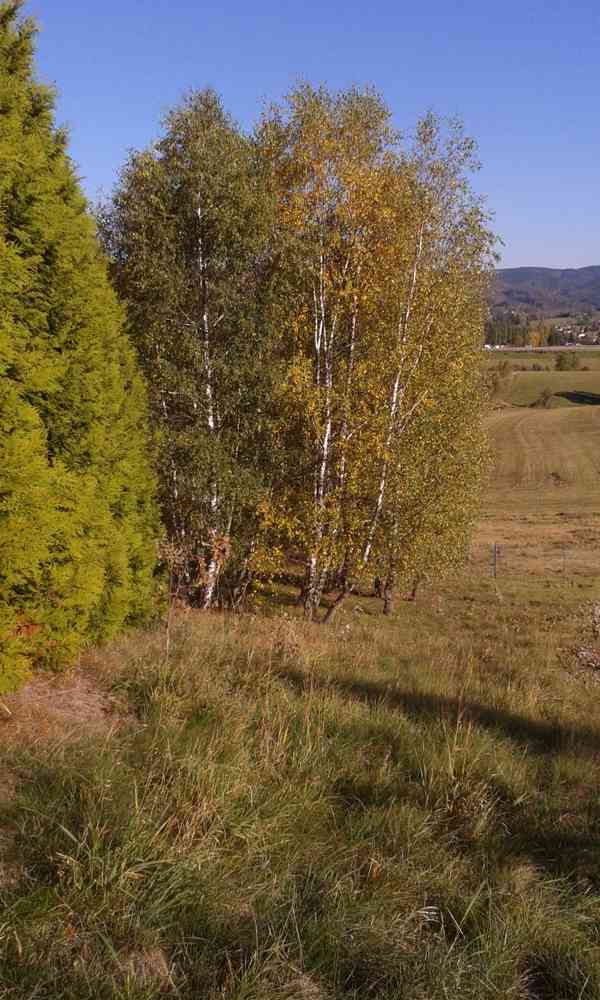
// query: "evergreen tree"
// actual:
[[77, 517]]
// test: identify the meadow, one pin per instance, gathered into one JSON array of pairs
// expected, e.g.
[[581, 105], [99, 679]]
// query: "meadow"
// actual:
[[267, 809], [567, 388], [589, 357]]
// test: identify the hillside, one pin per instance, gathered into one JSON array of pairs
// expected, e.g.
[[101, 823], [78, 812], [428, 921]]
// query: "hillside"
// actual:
[[541, 448], [268, 809], [547, 457], [548, 291]]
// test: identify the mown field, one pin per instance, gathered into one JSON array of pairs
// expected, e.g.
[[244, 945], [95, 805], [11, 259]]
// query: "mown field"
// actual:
[[543, 504], [573, 388], [588, 358], [263, 809], [547, 448]]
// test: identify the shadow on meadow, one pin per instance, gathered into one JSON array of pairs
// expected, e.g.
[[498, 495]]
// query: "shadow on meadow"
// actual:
[[259, 831], [582, 398], [539, 736], [557, 837]]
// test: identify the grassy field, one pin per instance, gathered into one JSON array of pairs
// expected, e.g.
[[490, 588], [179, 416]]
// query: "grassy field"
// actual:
[[545, 359], [404, 809], [568, 388], [546, 448], [543, 505]]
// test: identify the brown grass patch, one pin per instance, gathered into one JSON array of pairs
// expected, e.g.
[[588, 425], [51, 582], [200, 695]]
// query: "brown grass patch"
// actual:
[[61, 707], [148, 968]]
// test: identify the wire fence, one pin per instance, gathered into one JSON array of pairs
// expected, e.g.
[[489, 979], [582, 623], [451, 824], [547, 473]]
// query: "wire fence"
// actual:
[[500, 560]]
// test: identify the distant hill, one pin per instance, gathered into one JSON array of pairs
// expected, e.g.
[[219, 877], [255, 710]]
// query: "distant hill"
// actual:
[[548, 291]]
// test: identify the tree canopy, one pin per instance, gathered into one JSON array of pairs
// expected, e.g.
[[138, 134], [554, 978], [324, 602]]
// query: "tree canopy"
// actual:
[[308, 305]]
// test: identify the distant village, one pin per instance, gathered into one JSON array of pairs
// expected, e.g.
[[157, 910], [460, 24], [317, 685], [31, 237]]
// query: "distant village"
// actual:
[[571, 333], [512, 329]]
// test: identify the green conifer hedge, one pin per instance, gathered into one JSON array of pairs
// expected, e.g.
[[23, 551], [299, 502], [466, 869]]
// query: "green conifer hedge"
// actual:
[[78, 522]]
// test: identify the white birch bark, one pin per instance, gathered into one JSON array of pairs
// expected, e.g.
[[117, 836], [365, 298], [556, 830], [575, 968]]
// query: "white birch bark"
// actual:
[[212, 568], [396, 396]]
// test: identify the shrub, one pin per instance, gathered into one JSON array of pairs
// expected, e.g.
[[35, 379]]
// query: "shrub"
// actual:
[[499, 379], [544, 398], [566, 362]]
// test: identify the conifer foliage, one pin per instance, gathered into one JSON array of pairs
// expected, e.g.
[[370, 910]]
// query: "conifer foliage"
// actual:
[[77, 516]]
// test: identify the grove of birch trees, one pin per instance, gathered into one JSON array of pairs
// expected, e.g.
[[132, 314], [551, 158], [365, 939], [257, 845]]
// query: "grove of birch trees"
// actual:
[[307, 304]]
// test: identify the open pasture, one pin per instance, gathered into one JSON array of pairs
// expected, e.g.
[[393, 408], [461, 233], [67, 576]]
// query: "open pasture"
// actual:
[[568, 388], [542, 506], [589, 357]]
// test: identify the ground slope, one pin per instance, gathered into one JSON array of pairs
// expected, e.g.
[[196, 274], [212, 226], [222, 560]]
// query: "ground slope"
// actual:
[[265, 809], [547, 448], [576, 388], [542, 507]]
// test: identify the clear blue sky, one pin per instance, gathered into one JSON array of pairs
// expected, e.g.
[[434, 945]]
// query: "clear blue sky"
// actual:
[[525, 77]]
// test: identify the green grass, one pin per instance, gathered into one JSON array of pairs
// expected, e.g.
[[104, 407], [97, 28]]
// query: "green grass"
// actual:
[[547, 359], [403, 808], [540, 448], [543, 505], [526, 387]]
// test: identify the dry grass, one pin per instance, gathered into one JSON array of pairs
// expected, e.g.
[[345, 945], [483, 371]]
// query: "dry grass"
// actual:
[[543, 505], [401, 809], [57, 707], [548, 448], [404, 809]]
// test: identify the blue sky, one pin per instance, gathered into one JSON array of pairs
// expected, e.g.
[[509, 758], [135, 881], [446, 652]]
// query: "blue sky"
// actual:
[[525, 78]]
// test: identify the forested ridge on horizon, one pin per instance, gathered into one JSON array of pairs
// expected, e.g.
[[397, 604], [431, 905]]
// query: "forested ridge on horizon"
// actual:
[[548, 291]]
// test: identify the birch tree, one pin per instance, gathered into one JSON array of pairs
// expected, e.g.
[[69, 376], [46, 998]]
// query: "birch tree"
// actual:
[[302, 303], [331, 159], [187, 232], [434, 458], [434, 490], [389, 255]]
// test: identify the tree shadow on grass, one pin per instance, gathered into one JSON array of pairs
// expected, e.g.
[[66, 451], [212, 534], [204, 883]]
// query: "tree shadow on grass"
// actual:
[[537, 735], [582, 398], [561, 853], [549, 838]]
